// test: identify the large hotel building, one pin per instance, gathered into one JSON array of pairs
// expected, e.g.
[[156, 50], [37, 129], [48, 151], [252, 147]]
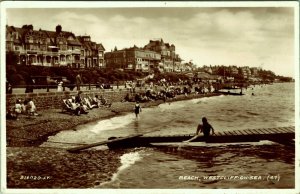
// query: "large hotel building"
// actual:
[[155, 54]]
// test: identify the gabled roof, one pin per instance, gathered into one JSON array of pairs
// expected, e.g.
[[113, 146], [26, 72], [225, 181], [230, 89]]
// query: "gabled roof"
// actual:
[[93, 45], [74, 42], [100, 47], [12, 29], [86, 44], [20, 31], [49, 35], [53, 35]]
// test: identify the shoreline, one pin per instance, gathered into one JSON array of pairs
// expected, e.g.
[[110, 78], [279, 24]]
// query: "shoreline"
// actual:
[[85, 169], [34, 130]]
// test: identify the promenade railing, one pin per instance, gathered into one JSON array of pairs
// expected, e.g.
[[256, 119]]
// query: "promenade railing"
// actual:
[[86, 87], [69, 87]]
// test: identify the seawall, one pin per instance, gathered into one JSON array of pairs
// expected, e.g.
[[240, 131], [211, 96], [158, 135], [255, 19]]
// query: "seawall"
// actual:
[[54, 99]]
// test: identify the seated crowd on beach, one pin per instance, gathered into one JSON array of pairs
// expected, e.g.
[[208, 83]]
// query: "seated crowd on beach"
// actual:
[[81, 105], [75, 105], [166, 92], [26, 107]]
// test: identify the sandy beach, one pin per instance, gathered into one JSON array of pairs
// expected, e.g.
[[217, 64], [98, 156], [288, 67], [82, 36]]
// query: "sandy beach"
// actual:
[[31, 166]]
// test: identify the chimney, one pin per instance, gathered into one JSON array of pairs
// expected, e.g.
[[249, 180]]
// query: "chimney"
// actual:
[[58, 28]]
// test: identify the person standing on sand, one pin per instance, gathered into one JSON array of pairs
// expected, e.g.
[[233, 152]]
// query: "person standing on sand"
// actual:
[[59, 86], [137, 109], [205, 127], [78, 81]]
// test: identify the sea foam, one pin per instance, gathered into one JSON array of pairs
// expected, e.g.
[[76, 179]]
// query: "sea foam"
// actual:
[[113, 123], [127, 160]]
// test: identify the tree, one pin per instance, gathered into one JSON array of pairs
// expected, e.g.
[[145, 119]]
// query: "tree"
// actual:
[[284, 79], [266, 75]]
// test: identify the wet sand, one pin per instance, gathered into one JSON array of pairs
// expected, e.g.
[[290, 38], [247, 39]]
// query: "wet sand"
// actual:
[[57, 168], [34, 167]]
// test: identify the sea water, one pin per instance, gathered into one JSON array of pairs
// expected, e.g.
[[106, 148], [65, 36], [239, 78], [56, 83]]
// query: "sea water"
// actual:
[[201, 165]]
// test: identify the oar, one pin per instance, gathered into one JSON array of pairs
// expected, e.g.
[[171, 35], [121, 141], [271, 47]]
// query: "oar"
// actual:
[[193, 138]]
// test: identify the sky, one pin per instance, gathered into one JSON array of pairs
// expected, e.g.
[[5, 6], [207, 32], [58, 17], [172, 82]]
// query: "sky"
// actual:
[[241, 36]]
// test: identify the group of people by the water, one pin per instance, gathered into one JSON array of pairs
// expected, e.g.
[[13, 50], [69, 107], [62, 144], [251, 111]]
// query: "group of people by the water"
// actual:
[[81, 105], [148, 96], [166, 91]]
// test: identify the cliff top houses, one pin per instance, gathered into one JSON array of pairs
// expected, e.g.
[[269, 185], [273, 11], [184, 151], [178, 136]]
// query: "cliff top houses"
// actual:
[[63, 48], [52, 48]]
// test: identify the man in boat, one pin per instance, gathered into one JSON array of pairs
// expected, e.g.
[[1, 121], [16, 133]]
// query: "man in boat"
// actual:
[[205, 127]]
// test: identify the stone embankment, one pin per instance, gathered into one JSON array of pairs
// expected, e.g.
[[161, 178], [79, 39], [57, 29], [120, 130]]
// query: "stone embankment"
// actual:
[[45, 100]]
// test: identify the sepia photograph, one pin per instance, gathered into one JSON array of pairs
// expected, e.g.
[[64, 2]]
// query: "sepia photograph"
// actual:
[[149, 97]]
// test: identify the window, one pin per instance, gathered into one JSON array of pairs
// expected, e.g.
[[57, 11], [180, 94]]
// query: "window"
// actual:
[[8, 47]]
